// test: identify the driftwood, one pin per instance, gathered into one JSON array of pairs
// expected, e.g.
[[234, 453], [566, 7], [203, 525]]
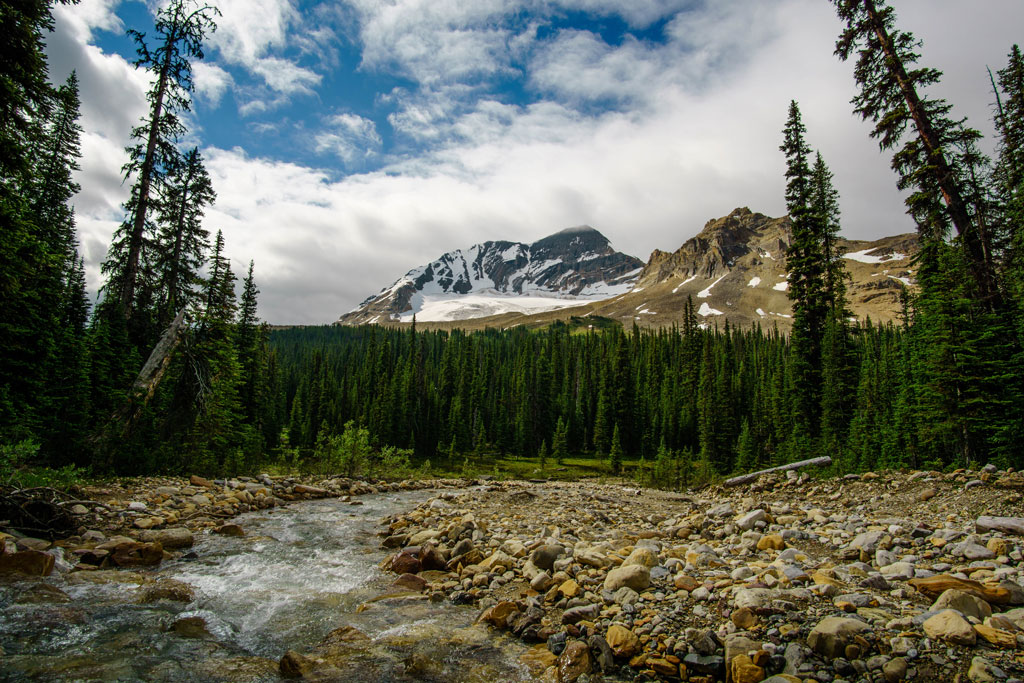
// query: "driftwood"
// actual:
[[747, 478], [41, 511]]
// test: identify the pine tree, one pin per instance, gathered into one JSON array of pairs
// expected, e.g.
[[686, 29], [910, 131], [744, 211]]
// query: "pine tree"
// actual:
[[931, 162], [181, 239], [615, 455], [805, 263], [560, 442], [542, 454], [180, 28]]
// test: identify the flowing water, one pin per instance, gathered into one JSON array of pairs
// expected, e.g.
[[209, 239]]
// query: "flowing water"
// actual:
[[298, 573]]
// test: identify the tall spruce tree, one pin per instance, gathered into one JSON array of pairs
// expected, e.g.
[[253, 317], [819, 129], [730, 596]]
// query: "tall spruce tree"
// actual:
[[181, 239], [180, 28], [806, 264]]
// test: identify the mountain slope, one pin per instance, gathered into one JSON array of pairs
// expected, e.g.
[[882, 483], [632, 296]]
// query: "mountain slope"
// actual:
[[496, 277]]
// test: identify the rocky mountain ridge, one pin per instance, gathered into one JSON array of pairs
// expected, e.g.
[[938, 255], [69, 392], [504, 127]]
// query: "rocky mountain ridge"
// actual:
[[734, 270], [574, 264]]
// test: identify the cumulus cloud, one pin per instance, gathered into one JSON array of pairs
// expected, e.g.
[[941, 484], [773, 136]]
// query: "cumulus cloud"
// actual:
[[210, 81], [350, 136]]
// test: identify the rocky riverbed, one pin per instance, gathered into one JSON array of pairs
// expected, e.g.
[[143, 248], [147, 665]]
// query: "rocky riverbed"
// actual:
[[900, 576], [912, 576]]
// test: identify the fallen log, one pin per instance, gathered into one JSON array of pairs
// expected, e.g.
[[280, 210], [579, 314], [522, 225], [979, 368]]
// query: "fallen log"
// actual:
[[823, 461]]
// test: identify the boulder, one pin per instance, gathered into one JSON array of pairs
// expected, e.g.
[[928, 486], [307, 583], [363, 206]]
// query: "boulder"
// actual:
[[984, 671], [167, 589], [965, 603], [177, 537], [229, 530], [622, 641], [1006, 525], [134, 554], [747, 521], [832, 634], [32, 562], [498, 615], [575, 661], [934, 586], [644, 557], [544, 556], [635, 576], [950, 626]]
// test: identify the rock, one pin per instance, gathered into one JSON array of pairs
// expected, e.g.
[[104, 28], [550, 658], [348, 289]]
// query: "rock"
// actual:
[[541, 582], [167, 589], [407, 561], [998, 637], [311, 491], [739, 645], [771, 542], [31, 562], [635, 576], [601, 652], [975, 551], [868, 541], [895, 670], [78, 509], [191, 627], [662, 667], [499, 614], [177, 537], [685, 582], [934, 586], [575, 615], [133, 554], [1006, 525], [754, 598], [295, 665], [832, 634], [591, 558], [570, 588], [199, 481], [965, 603], [999, 546], [747, 521], [537, 659], [544, 556], [926, 494], [743, 670], [622, 641], [498, 559], [645, 557], [575, 661], [984, 671], [229, 530], [744, 618], [950, 626], [410, 582]]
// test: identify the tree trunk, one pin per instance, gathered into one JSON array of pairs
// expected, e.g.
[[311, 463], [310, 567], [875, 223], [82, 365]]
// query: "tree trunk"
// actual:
[[977, 249]]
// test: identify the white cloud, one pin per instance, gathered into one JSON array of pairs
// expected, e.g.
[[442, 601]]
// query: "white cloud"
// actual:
[[350, 136], [81, 19], [211, 81], [285, 76]]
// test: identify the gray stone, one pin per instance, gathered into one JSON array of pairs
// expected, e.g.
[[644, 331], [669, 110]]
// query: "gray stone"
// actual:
[[984, 671], [868, 541], [1006, 525], [545, 555], [635, 576], [748, 520], [833, 634], [964, 603]]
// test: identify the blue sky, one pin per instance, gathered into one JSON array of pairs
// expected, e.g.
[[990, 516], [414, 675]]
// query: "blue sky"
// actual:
[[350, 140]]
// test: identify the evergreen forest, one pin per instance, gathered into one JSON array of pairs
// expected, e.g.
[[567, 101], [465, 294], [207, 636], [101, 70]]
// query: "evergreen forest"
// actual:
[[172, 370]]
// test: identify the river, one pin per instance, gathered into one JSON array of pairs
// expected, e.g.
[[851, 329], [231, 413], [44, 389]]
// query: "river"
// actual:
[[297, 574]]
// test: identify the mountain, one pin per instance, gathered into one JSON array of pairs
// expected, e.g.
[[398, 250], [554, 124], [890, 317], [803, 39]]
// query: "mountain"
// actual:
[[573, 266], [734, 269]]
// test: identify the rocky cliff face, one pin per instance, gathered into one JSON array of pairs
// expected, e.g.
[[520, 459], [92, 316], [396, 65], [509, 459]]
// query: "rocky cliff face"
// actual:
[[735, 270], [572, 266]]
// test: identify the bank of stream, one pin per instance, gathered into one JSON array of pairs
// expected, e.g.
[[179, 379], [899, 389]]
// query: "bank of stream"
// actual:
[[298, 574]]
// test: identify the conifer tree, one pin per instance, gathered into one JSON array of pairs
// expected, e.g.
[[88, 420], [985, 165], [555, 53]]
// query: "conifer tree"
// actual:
[[560, 442], [615, 454], [931, 162], [181, 238], [806, 265], [181, 27]]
